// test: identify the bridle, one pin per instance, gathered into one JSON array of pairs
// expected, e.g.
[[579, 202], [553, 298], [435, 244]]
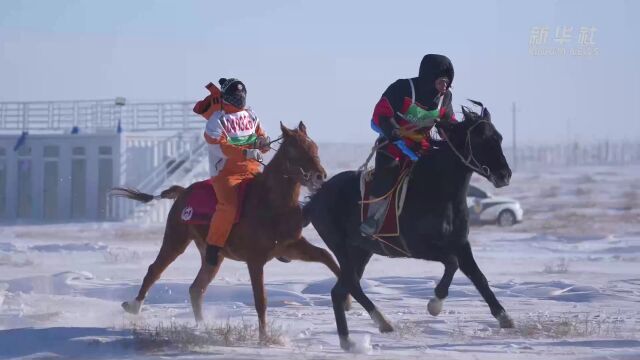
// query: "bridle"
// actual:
[[300, 174], [471, 162]]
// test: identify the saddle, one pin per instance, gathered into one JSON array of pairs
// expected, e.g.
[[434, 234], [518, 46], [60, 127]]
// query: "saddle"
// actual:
[[395, 200], [202, 201]]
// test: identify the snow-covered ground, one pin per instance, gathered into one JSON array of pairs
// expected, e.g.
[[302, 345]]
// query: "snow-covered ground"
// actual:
[[569, 275]]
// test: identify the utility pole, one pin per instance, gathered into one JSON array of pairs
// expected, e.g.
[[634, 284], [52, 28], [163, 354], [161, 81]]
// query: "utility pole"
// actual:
[[513, 116]]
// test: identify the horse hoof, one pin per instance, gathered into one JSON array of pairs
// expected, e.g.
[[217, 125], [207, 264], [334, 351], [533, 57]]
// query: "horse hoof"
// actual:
[[381, 321], [435, 306], [132, 307], [346, 344], [505, 320], [348, 304]]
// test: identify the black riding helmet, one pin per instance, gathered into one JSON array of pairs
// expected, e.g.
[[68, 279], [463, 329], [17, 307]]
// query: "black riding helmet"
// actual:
[[233, 92]]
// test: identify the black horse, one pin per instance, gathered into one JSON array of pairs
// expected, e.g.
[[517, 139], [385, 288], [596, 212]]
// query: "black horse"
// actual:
[[434, 223]]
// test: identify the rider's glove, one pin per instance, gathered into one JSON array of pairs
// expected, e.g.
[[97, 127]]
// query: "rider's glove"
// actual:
[[252, 154], [262, 143], [395, 135]]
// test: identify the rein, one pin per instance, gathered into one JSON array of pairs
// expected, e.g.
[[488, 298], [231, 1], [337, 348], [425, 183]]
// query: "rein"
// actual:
[[475, 166], [304, 175], [374, 149], [270, 147], [274, 141], [471, 162]]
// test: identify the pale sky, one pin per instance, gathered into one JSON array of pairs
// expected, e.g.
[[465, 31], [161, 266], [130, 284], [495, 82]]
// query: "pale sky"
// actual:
[[327, 62]]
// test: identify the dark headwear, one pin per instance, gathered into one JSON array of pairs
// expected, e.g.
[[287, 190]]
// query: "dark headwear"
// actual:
[[434, 66], [233, 92]]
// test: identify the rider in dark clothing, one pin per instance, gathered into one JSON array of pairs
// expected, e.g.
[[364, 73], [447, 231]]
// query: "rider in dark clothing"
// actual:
[[407, 104]]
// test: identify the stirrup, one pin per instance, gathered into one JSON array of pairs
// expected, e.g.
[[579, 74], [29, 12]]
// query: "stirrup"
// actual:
[[369, 227]]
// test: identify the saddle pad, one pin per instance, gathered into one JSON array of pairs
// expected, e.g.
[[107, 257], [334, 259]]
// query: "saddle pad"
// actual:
[[390, 225], [201, 202]]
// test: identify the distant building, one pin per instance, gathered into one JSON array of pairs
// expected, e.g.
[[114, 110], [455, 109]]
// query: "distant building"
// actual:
[[58, 160]]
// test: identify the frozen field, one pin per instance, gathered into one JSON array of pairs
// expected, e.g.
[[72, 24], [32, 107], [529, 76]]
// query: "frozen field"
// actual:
[[569, 276]]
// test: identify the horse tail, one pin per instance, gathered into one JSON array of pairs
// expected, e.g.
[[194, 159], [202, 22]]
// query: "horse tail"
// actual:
[[171, 193]]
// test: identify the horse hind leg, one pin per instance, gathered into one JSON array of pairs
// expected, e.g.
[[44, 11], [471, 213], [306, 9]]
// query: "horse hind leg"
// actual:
[[442, 289], [197, 289], [174, 243]]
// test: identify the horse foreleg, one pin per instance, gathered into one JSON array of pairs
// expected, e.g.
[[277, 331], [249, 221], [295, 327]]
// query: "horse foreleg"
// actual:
[[442, 289], [353, 270], [305, 251], [339, 294], [472, 271], [256, 272], [302, 249], [173, 244]]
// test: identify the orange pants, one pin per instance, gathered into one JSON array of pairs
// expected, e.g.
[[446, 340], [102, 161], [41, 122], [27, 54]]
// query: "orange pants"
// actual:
[[226, 209]]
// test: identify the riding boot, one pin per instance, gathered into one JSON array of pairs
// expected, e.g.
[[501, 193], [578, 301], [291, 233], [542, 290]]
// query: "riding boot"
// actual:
[[375, 215]]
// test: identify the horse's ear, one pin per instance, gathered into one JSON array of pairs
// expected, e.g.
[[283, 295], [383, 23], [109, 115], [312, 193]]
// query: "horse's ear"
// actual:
[[285, 130], [476, 103], [486, 115], [466, 114], [302, 128]]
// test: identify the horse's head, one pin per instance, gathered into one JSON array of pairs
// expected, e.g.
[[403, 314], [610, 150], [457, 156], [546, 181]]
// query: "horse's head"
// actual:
[[480, 145], [300, 155]]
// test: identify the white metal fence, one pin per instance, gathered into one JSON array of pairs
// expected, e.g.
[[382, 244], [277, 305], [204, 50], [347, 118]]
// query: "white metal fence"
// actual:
[[618, 153], [162, 141], [97, 115]]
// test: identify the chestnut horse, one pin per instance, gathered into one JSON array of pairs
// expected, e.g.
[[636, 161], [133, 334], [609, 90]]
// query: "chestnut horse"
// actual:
[[270, 225]]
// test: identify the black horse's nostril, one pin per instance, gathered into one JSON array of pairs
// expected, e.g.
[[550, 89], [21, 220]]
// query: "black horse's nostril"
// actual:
[[506, 176], [319, 177]]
